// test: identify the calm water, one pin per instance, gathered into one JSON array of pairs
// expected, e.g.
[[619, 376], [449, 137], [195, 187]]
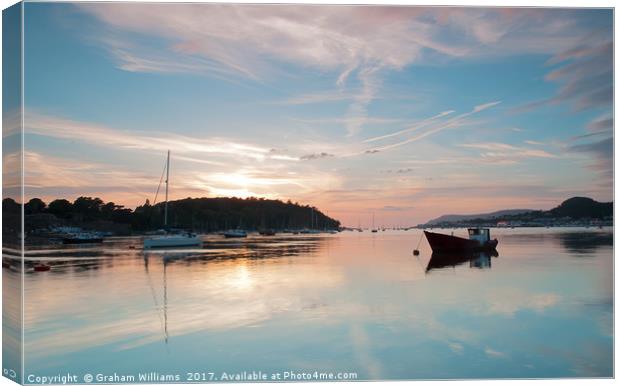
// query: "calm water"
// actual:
[[352, 302]]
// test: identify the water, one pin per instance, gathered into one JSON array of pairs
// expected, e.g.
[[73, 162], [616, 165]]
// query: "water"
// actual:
[[351, 302]]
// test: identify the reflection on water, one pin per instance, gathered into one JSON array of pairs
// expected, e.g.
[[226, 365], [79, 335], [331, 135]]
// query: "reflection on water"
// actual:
[[585, 242], [481, 259], [349, 302]]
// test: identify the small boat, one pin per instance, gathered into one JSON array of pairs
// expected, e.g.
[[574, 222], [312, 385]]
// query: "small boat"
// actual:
[[479, 240], [235, 233], [42, 267], [267, 232], [169, 239], [83, 238], [307, 231]]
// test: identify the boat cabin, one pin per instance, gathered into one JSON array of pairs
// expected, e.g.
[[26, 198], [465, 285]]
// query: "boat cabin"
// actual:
[[482, 235]]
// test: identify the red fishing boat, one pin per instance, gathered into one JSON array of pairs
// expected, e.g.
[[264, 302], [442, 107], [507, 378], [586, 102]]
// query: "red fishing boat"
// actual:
[[479, 240]]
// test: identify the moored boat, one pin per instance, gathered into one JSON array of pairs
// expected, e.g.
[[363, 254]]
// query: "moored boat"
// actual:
[[173, 240], [235, 233], [479, 240], [42, 267], [169, 239], [83, 238]]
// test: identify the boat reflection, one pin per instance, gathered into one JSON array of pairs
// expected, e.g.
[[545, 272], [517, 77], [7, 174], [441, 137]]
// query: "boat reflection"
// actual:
[[481, 259]]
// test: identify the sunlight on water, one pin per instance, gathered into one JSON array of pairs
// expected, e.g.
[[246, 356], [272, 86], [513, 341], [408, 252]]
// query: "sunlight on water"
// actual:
[[348, 302]]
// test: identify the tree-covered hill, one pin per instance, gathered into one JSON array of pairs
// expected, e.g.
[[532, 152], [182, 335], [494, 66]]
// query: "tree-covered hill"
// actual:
[[583, 207], [197, 214]]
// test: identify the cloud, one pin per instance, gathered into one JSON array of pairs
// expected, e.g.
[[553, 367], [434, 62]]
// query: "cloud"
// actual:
[[602, 123], [585, 76], [415, 127], [392, 208], [485, 106], [354, 44], [442, 125], [494, 149], [600, 157], [322, 97], [494, 353], [316, 156], [346, 39], [536, 143], [58, 127]]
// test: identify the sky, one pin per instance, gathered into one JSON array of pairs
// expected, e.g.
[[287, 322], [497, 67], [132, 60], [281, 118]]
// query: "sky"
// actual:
[[405, 112]]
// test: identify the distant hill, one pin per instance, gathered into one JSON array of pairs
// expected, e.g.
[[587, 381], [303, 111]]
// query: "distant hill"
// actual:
[[485, 216], [574, 209]]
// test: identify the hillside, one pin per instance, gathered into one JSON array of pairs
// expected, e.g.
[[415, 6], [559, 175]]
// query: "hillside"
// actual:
[[197, 214], [574, 211], [465, 217], [583, 207]]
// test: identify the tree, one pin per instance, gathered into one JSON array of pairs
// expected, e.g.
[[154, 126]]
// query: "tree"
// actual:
[[60, 208], [9, 206], [34, 206], [87, 207]]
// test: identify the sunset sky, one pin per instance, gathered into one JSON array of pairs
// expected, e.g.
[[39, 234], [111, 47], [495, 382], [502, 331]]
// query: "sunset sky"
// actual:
[[407, 112]]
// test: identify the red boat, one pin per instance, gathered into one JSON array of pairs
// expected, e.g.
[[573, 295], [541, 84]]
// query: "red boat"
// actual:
[[41, 267], [479, 240]]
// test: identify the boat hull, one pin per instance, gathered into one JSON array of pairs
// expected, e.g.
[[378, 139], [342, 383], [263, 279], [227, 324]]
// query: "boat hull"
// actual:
[[168, 242], [235, 235], [82, 241], [447, 243]]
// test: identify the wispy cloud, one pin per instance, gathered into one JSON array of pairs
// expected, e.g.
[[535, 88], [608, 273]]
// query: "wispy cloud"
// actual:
[[58, 127], [531, 142], [322, 97], [602, 152], [342, 38], [585, 76], [495, 150], [606, 122], [450, 123], [357, 44], [316, 156], [415, 127]]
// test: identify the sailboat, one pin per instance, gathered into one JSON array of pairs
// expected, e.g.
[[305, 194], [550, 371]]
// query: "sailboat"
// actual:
[[312, 230], [374, 230], [170, 239]]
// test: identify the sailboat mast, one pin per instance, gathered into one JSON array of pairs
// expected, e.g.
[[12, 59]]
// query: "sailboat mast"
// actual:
[[167, 177]]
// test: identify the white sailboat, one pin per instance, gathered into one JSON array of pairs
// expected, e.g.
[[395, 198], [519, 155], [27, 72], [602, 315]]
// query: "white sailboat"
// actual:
[[171, 239]]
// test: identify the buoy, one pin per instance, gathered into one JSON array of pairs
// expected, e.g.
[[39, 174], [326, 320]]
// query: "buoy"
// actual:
[[42, 267], [416, 251]]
